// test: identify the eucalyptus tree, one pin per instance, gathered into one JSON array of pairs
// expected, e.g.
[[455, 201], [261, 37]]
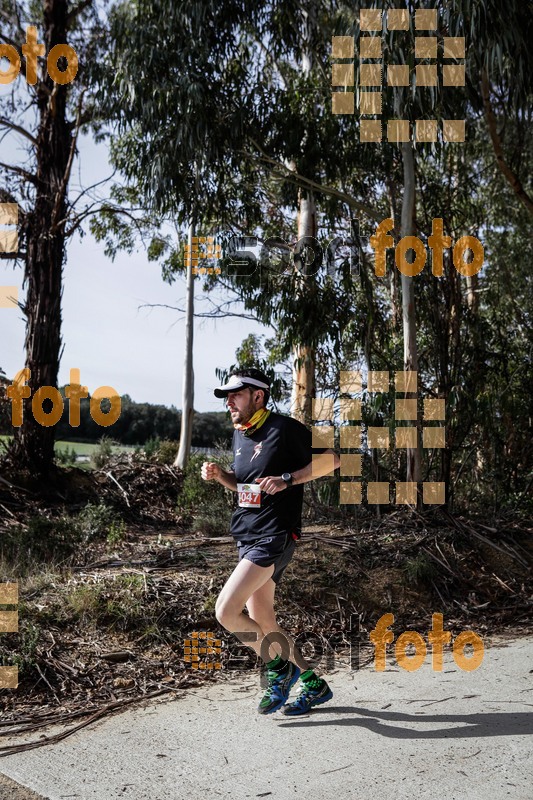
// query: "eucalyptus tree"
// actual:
[[176, 86], [300, 41], [245, 90], [447, 180], [230, 86], [413, 102], [309, 159], [500, 70], [173, 83], [46, 112]]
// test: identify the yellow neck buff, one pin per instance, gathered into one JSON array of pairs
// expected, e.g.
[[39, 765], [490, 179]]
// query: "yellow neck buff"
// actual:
[[255, 422]]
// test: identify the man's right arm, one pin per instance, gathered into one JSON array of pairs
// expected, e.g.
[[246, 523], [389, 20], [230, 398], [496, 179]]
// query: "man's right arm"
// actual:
[[214, 472]]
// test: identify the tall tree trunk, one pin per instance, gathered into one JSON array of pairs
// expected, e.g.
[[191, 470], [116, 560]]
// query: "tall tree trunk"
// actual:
[[303, 373], [187, 405], [410, 352], [33, 445]]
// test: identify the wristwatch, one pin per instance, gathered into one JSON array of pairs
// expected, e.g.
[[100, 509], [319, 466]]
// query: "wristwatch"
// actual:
[[287, 477]]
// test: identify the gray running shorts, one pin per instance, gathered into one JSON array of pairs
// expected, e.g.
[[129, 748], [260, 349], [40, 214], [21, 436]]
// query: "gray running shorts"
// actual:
[[277, 550]]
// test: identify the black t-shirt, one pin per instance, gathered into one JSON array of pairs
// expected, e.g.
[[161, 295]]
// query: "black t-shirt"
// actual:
[[281, 444]]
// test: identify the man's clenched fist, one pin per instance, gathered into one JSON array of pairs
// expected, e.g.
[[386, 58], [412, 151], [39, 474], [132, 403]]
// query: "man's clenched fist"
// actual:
[[210, 471]]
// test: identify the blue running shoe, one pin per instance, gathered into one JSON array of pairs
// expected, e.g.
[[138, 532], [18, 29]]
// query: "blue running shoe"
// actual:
[[279, 686], [307, 698]]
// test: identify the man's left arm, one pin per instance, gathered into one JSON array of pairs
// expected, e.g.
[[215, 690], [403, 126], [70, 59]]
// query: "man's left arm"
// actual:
[[322, 464]]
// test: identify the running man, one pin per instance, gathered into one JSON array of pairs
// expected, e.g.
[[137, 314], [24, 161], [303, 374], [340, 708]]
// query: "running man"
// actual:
[[272, 460]]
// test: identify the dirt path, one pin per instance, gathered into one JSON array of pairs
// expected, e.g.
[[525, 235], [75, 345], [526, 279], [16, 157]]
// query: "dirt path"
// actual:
[[384, 733]]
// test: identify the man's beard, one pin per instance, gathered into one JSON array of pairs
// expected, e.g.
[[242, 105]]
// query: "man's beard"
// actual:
[[243, 416]]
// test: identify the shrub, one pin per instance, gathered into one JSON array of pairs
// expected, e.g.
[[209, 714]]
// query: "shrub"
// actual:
[[151, 447], [119, 604], [65, 457], [420, 569], [96, 521], [206, 503], [84, 601], [5, 444], [103, 452], [41, 540], [22, 652], [117, 532], [166, 452]]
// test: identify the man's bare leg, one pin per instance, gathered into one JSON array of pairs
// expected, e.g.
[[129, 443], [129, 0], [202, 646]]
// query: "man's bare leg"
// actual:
[[260, 607], [253, 586]]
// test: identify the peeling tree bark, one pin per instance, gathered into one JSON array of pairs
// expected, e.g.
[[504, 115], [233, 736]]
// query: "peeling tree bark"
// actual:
[[410, 352], [303, 373], [187, 405], [33, 445]]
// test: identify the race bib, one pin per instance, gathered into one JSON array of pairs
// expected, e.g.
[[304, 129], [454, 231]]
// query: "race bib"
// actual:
[[249, 495]]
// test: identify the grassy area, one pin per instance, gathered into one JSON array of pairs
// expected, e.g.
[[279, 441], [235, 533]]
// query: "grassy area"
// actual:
[[88, 448], [81, 448]]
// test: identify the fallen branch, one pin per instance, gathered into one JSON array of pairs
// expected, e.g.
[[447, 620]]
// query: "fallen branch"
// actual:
[[124, 492], [102, 712]]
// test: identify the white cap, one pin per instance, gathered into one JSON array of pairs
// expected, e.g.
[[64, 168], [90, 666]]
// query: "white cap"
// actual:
[[236, 383]]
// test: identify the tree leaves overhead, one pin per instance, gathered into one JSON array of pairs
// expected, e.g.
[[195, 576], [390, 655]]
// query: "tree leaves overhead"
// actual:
[[177, 88], [216, 115]]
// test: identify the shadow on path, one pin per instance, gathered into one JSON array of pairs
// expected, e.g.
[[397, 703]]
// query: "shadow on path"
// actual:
[[471, 725]]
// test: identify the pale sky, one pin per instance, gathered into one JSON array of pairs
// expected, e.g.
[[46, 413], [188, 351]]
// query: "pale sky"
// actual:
[[106, 336]]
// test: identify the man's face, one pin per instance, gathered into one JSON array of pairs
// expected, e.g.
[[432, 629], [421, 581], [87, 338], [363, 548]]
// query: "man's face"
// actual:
[[242, 405]]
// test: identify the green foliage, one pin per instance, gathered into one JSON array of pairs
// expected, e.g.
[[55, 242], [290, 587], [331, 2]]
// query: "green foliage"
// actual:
[[420, 569], [118, 605], [66, 457], [255, 352], [84, 600], [5, 443], [97, 521], [326, 491], [212, 429], [206, 504], [151, 447], [212, 120], [250, 351], [103, 453], [114, 229], [173, 159], [22, 651], [117, 532], [41, 540], [166, 452], [138, 424]]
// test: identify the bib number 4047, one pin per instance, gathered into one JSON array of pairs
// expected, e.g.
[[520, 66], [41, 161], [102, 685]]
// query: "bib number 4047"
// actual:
[[249, 495]]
